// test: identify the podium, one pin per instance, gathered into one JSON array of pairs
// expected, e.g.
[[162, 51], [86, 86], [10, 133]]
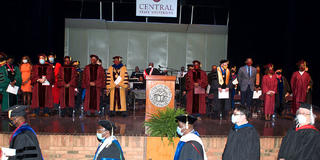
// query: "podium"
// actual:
[[160, 93]]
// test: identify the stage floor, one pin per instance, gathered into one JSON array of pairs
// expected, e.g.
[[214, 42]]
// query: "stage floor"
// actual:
[[133, 125]]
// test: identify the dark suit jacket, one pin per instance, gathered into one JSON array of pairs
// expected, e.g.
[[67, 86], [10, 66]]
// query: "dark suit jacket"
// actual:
[[245, 80]]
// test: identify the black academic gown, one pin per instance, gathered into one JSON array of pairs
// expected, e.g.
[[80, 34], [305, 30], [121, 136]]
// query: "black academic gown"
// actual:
[[113, 152], [242, 144], [303, 144], [191, 150], [26, 145]]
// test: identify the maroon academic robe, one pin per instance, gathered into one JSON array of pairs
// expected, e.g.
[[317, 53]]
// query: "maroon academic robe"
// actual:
[[42, 95], [93, 73], [196, 103], [299, 86], [67, 75], [55, 90], [269, 84]]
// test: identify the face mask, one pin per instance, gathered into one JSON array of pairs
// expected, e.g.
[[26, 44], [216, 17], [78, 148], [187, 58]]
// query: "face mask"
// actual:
[[271, 71], [196, 67], [25, 61], [234, 119], [301, 68], [150, 66], [249, 63], [99, 136], [41, 61], [179, 131], [51, 60], [301, 119]]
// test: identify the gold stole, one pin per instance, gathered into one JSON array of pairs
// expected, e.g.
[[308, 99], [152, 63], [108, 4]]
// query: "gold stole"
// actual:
[[220, 76]]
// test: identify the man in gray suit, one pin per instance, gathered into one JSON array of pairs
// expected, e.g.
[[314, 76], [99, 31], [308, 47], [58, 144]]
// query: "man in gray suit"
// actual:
[[247, 79]]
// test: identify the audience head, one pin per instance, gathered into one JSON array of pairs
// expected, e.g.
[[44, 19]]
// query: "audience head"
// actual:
[[42, 58], [76, 64], [190, 67], [16, 115], [302, 64], [213, 68], [10, 60], [51, 57], [182, 69], [258, 68], [185, 124], [240, 115], [150, 65], [269, 69], [67, 60], [117, 60], [233, 69], [25, 59], [224, 63], [137, 69], [196, 64], [105, 129]]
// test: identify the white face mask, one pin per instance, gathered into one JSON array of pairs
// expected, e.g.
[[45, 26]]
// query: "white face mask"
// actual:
[[234, 119], [99, 136], [51, 59], [179, 131], [301, 119], [25, 61], [41, 61]]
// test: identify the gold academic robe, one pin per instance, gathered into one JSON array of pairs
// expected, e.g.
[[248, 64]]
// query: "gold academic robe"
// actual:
[[117, 95]]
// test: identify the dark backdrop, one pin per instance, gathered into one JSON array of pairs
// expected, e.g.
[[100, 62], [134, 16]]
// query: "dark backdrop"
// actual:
[[277, 31]]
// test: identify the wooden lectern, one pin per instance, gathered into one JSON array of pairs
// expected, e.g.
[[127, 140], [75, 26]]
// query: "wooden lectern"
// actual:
[[160, 93]]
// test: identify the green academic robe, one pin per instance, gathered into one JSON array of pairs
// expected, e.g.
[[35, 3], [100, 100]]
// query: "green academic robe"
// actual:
[[5, 81]]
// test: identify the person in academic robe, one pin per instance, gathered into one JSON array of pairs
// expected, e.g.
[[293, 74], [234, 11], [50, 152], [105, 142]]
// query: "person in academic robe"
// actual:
[[301, 84], [257, 103], [283, 92], [67, 82], [3, 58], [137, 73], [224, 83], [9, 75], [269, 89], [93, 82], [183, 102], [196, 82], [55, 90], [109, 147], [117, 84], [213, 91], [24, 138], [41, 79], [247, 79], [243, 141], [151, 70], [26, 88], [303, 141], [190, 145], [78, 89], [234, 83]]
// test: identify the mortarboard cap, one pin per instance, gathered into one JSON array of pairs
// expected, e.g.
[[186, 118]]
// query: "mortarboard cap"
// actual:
[[224, 61], [17, 110], [185, 118], [93, 55], [196, 61], [108, 125]]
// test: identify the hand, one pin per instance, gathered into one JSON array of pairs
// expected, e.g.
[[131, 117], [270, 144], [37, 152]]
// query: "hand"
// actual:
[[287, 94], [184, 93], [227, 89], [117, 86], [67, 85], [92, 84], [196, 84], [220, 89], [13, 83]]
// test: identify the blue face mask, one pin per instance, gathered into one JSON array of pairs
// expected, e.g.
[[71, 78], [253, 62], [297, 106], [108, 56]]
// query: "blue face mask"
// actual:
[[179, 131], [99, 136], [51, 60], [41, 61]]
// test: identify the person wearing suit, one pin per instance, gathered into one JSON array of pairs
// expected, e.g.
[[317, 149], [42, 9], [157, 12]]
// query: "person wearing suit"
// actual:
[[247, 79]]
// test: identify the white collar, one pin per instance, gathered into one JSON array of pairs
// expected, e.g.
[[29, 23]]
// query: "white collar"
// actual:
[[301, 72]]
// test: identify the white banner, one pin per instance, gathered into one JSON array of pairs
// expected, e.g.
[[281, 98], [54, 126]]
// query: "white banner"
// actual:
[[156, 8]]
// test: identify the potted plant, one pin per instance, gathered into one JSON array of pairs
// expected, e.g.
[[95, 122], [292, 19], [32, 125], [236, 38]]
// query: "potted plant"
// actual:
[[161, 128]]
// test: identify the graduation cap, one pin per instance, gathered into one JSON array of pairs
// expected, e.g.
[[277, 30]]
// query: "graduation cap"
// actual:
[[224, 61], [108, 125], [93, 55], [117, 57], [17, 110], [301, 62], [187, 119], [190, 65]]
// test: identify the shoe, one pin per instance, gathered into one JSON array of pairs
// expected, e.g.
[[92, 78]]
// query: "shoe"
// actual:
[[46, 115]]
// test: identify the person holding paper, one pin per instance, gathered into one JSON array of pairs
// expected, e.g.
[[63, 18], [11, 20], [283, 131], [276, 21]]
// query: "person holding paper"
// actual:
[[196, 82], [10, 79], [225, 84], [67, 82], [269, 89], [41, 79], [55, 90], [93, 82], [23, 139], [117, 83]]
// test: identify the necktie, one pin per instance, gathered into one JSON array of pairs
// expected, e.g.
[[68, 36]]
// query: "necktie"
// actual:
[[249, 70]]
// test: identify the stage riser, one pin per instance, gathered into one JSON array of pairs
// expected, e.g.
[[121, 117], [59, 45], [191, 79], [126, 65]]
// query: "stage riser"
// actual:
[[84, 146]]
